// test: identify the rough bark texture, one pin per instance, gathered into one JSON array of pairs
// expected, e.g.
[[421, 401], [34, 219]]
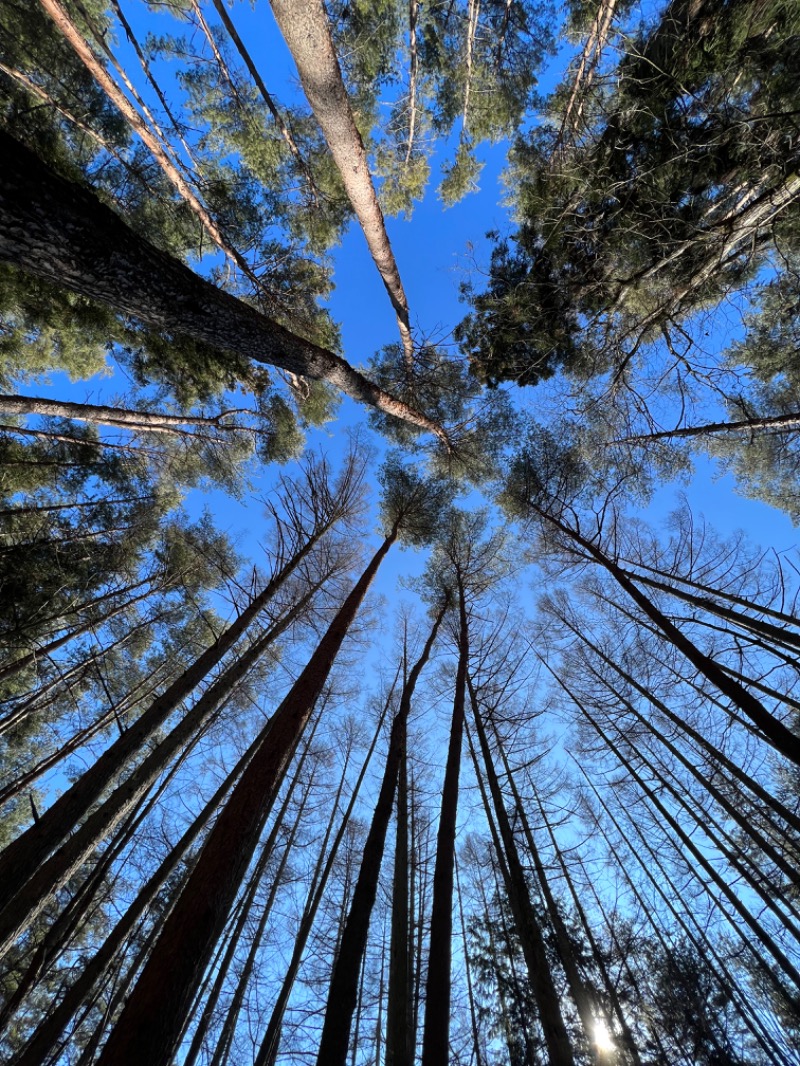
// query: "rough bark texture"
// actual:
[[343, 991], [150, 1024], [306, 30], [61, 232]]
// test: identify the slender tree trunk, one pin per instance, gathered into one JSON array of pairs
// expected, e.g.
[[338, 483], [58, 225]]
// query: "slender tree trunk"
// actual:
[[587, 1009], [526, 921], [712, 875], [398, 1020], [47, 1034], [23, 856], [775, 732], [787, 423], [210, 1001], [32, 895], [268, 1051], [100, 415], [655, 873], [60, 231], [304, 25], [150, 1023], [436, 1033], [473, 1016], [343, 989]]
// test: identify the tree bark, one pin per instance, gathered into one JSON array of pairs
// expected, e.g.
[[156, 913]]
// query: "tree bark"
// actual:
[[528, 927], [436, 1031], [149, 1026], [343, 989], [304, 25], [60, 231]]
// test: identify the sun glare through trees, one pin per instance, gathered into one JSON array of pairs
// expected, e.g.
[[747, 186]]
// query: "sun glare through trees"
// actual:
[[399, 591]]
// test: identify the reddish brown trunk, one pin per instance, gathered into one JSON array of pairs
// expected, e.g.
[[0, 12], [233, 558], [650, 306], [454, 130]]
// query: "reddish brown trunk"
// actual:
[[150, 1023]]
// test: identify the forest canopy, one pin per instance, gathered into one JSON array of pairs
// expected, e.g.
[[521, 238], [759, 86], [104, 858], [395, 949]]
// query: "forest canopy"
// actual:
[[399, 663]]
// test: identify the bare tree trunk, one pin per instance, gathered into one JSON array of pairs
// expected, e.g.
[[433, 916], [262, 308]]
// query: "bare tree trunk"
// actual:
[[527, 924], [60, 231], [343, 989], [304, 25], [47, 1034], [210, 1001], [28, 854], [118, 417], [436, 1033], [788, 423], [774, 731], [150, 1023], [268, 1051]]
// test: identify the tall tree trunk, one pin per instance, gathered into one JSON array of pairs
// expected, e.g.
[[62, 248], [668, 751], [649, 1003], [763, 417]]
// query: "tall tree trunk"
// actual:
[[49, 1030], [210, 1001], [587, 1009], [652, 867], [60, 231], [150, 1023], [527, 924], [788, 423], [21, 858], [398, 1013], [304, 25], [343, 989], [32, 895], [436, 1032], [775, 732], [268, 1051]]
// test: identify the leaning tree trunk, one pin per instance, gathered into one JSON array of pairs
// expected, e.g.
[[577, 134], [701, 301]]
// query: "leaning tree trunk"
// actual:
[[21, 859], [436, 1032], [773, 729], [60, 231], [150, 1024], [343, 989], [305, 27], [31, 896]]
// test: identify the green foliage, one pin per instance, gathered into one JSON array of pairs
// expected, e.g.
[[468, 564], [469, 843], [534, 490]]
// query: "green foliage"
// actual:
[[460, 176], [411, 503]]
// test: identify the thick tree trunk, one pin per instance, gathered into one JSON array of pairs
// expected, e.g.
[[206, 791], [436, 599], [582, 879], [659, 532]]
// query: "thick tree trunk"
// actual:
[[61, 232], [343, 989], [436, 1033], [150, 1024], [304, 25]]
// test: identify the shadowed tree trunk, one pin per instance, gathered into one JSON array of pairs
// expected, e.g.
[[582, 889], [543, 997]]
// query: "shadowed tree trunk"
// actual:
[[436, 1032], [150, 1024], [61, 232], [343, 990]]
